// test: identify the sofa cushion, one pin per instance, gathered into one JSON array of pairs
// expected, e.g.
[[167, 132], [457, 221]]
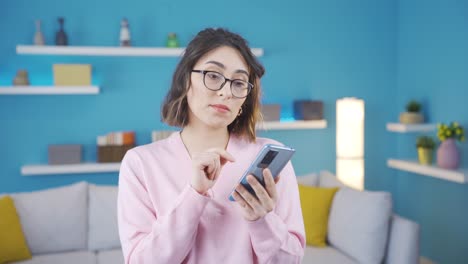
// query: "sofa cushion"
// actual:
[[110, 256], [329, 180], [326, 255], [359, 224], [103, 227], [311, 179], [403, 245], [76, 257], [13, 245], [54, 220], [315, 204]]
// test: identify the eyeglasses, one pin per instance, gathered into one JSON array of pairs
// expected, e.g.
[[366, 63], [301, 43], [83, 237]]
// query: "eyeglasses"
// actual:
[[215, 81]]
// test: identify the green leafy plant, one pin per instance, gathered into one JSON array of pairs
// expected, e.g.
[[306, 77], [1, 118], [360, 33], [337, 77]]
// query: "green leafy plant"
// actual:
[[413, 106], [425, 142], [452, 130]]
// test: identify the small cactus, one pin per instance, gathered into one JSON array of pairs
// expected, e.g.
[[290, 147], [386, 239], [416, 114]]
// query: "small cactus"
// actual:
[[413, 106]]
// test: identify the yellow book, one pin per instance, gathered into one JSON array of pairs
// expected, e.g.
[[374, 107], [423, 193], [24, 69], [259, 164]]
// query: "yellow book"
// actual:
[[72, 74]]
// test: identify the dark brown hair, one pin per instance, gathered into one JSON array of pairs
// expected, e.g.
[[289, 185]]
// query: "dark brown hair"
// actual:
[[175, 107]]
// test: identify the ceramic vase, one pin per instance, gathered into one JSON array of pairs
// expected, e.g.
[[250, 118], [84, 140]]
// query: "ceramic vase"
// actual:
[[61, 38], [38, 36], [448, 156]]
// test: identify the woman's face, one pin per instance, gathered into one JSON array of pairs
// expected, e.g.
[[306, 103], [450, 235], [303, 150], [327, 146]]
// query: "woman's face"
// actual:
[[216, 109]]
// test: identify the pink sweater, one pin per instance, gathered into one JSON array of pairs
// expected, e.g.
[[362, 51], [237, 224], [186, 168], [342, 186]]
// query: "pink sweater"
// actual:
[[162, 219]]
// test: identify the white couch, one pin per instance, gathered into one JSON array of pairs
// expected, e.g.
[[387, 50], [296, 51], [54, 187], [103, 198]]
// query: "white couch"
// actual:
[[78, 224], [71, 224], [362, 228]]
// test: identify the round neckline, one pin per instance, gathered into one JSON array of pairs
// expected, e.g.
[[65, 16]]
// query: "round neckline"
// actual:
[[228, 146]]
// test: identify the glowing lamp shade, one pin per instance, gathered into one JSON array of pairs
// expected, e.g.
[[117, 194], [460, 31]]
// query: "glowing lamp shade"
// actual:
[[350, 141]]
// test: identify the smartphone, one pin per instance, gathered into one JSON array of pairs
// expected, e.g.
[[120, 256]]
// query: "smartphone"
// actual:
[[273, 157]]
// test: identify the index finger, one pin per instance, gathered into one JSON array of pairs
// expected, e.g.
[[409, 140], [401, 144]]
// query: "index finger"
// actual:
[[226, 156]]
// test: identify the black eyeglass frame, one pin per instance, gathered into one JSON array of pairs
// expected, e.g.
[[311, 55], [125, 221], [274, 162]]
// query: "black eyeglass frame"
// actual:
[[249, 85]]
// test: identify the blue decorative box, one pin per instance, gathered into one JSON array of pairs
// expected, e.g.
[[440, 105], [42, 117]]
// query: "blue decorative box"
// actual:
[[308, 110]]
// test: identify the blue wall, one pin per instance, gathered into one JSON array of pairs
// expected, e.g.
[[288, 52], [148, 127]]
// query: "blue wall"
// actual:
[[313, 50], [433, 68], [385, 52]]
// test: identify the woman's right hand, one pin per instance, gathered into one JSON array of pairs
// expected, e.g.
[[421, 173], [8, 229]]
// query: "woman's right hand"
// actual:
[[207, 167]]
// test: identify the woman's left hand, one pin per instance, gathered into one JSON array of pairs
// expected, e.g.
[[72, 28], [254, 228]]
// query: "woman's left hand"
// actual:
[[254, 208]]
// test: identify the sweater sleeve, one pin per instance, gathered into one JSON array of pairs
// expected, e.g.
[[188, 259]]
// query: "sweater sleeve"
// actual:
[[147, 237], [279, 237]]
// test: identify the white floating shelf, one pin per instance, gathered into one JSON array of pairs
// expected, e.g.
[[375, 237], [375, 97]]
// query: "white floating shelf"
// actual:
[[29, 170], [460, 176], [406, 128], [48, 90], [108, 51], [294, 125]]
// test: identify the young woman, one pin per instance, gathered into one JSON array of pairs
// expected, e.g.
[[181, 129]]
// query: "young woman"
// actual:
[[173, 204]]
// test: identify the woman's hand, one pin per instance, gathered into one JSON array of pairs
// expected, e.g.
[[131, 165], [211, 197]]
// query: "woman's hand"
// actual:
[[254, 208], [207, 167]]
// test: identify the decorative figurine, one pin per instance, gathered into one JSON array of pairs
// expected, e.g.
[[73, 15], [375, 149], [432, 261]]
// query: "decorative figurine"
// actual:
[[38, 37], [21, 78], [61, 38], [124, 33], [172, 41]]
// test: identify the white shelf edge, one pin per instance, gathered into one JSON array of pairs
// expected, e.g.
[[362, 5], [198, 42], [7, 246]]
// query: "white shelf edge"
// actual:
[[406, 128], [47, 90], [459, 176], [108, 51], [294, 125], [30, 170]]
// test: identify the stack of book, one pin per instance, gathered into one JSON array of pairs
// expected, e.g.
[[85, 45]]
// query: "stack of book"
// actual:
[[113, 146]]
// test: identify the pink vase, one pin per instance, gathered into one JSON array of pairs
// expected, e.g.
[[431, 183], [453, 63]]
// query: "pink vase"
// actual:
[[448, 156]]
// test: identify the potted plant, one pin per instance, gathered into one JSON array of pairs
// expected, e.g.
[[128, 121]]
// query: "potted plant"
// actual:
[[412, 114], [425, 145], [448, 156]]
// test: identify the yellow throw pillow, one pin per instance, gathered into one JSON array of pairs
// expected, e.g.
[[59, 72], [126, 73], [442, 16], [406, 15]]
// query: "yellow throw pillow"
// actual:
[[13, 245], [316, 203]]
